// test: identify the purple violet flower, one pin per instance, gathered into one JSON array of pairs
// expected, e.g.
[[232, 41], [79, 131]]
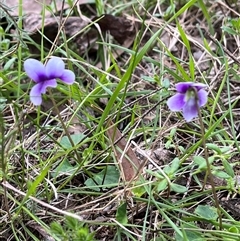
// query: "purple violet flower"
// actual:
[[189, 98], [45, 76]]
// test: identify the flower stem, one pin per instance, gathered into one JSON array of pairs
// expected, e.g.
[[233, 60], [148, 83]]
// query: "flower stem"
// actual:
[[209, 172], [63, 125]]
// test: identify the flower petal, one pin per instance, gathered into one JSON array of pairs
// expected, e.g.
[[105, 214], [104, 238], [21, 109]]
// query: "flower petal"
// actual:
[[182, 87], [35, 94], [54, 68], [176, 102], [35, 70], [68, 77], [48, 83], [202, 97], [39, 89], [199, 86], [190, 110]]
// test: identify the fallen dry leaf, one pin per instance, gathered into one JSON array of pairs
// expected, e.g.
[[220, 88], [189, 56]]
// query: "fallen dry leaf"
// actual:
[[36, 6], [128, 161], [33, 26], [120, 28], [31, 6]]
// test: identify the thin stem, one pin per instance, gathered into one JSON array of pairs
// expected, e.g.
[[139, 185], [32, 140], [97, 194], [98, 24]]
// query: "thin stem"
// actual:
[[3, 162], [64, 126], [209, 172]]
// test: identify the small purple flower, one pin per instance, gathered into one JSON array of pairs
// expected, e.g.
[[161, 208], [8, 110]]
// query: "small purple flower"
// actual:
[[189, 98], [45, 76]]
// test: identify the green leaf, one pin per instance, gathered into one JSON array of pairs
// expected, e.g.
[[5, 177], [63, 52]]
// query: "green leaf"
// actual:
[[175, 165], [207, 212], [169, 11], [64, 168], [56, 228], [162, 185], [155, 174], [233, 229], [109, 176], [229, 30], [201, 162], [148, 79], [191, 236], [225, 149], [178, 188], [213, 147], [9, 63], [168, 144], [220, 174], [228, 168], [72, 223], [76, 138], [3, 102], [91, 184], [139, 189], [166, 83], [236, 24], [121, 215], [82, 234]]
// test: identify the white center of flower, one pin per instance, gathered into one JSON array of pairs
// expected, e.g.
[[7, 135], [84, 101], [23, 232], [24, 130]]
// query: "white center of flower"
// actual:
[[190, 96]]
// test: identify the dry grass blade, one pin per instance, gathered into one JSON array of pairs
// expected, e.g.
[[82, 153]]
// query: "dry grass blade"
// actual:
[[44, 204]]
